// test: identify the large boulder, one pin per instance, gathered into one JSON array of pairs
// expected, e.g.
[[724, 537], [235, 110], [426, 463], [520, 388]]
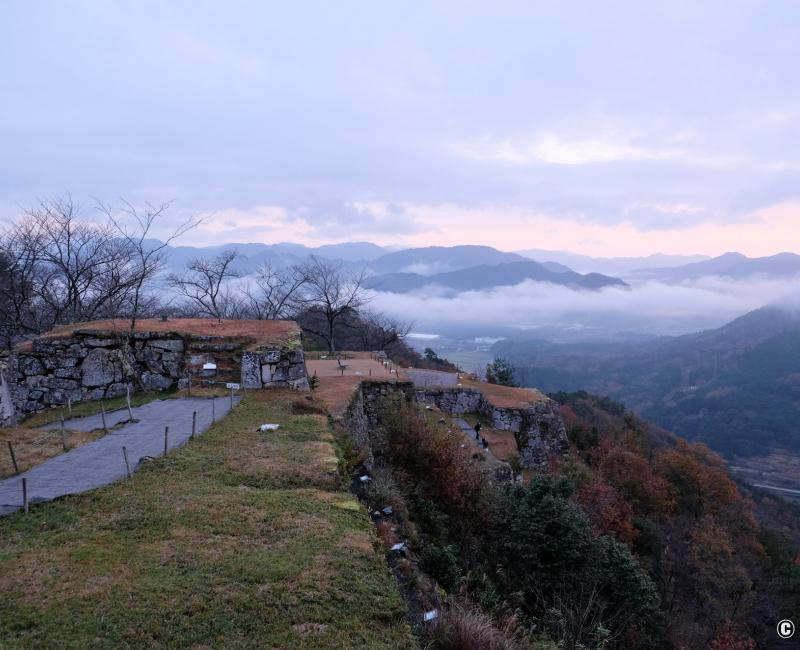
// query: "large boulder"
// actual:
[[150, 358], [173, 363], [30, 366], [154, 381], [100, 368]]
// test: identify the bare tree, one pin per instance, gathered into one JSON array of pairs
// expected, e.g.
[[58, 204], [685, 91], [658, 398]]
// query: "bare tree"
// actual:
[[331, 292], [379, 331], [21, 273], [63, 269], [146, 255], [204, 284], [275, 293]]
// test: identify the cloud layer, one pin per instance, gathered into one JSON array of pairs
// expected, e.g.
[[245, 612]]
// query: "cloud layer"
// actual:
[[653, 307], [515, 124]]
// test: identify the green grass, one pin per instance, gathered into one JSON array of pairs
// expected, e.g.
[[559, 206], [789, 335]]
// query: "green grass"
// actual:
[[238, 540]]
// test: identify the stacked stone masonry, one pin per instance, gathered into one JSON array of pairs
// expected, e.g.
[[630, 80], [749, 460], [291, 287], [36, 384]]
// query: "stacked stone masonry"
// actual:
[[92, 364], [538, 428]]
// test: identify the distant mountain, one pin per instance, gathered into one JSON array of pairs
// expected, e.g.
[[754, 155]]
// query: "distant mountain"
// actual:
[[350, 251], [481, 277], [441, 259], [609, 265], [730, 265], [737, 388], [252, 256]]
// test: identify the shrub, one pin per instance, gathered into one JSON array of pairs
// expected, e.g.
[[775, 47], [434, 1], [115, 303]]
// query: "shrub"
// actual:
[[546, 547], [441, 563], [501, 371], [383, 490], [431, 520], [432, 458]]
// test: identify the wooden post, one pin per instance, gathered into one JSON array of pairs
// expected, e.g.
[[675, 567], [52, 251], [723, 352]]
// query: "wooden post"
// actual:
[[189, 385], [194, 423], [13, 457], [103, 415], [370, 372], [128, 399], [69, 406], [166, 439], [127, 464], [63, 435], [25, 494], [213, 410], [231, 398]]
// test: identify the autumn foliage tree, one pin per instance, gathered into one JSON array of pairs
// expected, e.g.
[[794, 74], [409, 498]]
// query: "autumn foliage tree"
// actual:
[[432, 459]]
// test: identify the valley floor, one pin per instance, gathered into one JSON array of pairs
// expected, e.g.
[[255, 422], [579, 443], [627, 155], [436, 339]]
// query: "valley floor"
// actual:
[[239, 539]]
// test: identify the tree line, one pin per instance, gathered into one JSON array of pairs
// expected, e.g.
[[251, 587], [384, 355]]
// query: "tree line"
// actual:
[[57, 268]]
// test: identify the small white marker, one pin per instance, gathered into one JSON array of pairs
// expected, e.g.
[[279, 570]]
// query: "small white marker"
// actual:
[[430, 616], [399, 547], [365, 478]]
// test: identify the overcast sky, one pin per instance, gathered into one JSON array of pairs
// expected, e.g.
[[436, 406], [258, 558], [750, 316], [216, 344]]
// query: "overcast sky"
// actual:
[[602, 128]]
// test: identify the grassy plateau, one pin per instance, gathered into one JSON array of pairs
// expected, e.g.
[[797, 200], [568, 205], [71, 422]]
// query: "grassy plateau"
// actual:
[[240, 539]]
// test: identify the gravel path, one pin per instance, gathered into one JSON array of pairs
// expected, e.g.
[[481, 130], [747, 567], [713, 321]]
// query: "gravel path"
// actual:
[[101, 462], [432, 378]]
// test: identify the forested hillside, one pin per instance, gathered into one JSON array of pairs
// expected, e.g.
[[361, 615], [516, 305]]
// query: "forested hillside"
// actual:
[[637, 539], [721, 560], [736, 388]]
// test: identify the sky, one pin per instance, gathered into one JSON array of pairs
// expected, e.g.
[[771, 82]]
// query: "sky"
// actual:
[[615, 128]]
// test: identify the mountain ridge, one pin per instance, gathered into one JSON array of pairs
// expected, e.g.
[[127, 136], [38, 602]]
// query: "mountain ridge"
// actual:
[[483, 277]]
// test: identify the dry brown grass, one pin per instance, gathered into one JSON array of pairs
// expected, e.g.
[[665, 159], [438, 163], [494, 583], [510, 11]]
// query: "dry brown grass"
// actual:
[[505, 396], [336, 392], [34, 446], [502, 444], [306, 406], [258, 331], [463, 628], [387, 534]]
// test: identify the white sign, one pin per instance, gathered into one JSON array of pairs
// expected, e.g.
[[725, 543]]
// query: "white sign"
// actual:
[[234, 386]]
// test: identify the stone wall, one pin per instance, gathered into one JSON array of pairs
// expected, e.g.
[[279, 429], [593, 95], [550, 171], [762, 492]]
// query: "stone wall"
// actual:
[[274, 368], [89, 366], [96, 364], [538, 428]]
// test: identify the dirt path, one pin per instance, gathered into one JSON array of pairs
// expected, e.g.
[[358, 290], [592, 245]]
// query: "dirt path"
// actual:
[[101, 462]]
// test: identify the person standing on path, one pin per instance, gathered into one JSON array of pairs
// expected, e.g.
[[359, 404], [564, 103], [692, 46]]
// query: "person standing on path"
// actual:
[[478, 431]]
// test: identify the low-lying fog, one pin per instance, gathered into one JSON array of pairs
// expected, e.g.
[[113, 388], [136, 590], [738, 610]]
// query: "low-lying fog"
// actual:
[[540, 310]]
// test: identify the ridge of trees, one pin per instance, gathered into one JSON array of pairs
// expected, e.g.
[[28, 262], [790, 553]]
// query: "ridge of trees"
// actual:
[[57, 267]]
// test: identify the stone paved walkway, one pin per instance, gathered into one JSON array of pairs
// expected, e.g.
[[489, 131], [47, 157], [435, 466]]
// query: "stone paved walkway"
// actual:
[[101, 462]]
